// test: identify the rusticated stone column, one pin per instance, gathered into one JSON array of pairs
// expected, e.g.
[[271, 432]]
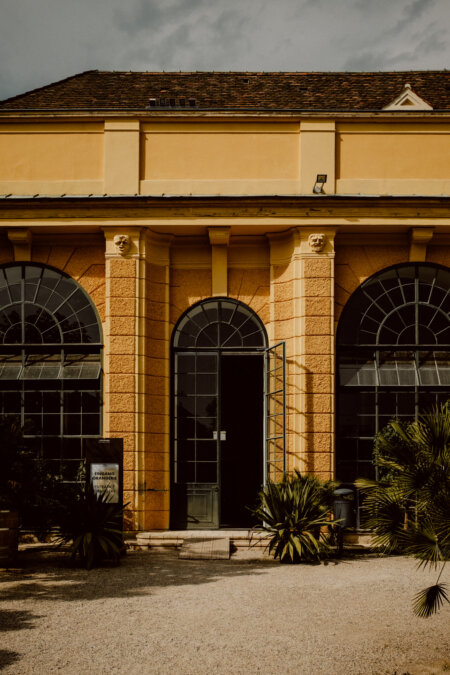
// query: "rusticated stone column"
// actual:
[[316, 288], [302, 314], [136, 362]]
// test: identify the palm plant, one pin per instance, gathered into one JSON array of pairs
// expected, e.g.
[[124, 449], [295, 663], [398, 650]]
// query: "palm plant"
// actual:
[[92, 526], [293, 513], [408, 508]]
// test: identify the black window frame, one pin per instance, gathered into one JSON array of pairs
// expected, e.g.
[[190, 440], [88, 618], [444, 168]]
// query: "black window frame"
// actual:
[[373, 374], [56, 360]]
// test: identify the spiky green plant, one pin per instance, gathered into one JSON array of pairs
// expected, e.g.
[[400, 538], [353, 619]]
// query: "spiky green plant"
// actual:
[[408, 509], [92, 527], [292, 513]]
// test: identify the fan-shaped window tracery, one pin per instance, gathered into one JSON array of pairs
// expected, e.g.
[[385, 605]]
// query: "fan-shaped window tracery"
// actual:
[[393, 357], [219, 324], [50, 362]]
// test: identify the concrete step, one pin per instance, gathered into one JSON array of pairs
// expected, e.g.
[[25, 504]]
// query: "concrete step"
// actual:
[[174, 539], [240, 539]]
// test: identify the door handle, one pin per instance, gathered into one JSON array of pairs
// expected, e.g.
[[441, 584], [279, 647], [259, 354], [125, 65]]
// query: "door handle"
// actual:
[[222, 435]]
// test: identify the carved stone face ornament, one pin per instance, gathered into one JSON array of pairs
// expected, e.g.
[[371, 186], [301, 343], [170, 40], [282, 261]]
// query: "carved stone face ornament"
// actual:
[[122, 243], [316, 242]]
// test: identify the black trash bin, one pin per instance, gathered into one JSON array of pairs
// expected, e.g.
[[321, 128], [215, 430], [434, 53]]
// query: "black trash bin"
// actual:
[[343, 514]]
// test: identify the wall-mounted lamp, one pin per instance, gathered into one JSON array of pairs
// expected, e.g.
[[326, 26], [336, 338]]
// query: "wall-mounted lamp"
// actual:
[[321, 179]]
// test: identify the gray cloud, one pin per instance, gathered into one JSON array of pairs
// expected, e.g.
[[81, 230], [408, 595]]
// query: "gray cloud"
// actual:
[[412, 12], [45, 40], [156, 15]]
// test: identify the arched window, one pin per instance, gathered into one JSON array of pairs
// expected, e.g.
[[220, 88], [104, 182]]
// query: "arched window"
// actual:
[[222, 323], [50, 362], [393, 354]]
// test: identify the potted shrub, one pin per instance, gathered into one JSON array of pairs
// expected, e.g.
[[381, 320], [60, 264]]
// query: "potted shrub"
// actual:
[[294, 514]]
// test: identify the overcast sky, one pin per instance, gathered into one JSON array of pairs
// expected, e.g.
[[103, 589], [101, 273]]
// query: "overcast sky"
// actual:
[[42, 41]]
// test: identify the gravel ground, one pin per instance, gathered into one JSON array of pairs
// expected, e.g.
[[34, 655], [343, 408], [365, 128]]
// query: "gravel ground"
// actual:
[[158, 614]]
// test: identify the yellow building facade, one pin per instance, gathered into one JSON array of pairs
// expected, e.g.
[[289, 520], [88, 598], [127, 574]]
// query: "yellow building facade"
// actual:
[[218, 248]]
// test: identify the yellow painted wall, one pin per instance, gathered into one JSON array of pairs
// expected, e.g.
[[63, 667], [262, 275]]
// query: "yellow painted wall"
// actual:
[[47, 155], [205, 157], [236, 157], [393, 158]]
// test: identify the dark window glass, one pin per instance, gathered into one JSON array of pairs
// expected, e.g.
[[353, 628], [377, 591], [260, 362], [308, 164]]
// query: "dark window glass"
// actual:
[[206, 406], [186, 450], [51, 448], [229, 335], [90, 424], [185, 427], [206, 472], [72, 425], [51, 425], [12, 402], [185, 406], [205, 427], [51, 401], [206, 384], [206, 451], [42, 295], [33, 424], [209, 337], [185, 363], [206, 364], [35, 302], [15, 291], [185, 384], [186, 472], [348, 449], [33, 401], [398, 383], [72, 401]]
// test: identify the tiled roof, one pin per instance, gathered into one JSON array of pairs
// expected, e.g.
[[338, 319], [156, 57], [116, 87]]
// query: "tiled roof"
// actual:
[[102, 90]]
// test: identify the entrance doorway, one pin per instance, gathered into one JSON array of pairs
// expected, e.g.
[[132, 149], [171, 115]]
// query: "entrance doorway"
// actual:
[[218, 415], [241, 459]]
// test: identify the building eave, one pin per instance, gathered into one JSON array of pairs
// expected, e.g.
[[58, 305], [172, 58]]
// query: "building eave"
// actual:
[[313, 200], [217, 113]]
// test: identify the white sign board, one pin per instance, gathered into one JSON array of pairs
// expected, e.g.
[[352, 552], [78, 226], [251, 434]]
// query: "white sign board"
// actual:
[[105, 480]]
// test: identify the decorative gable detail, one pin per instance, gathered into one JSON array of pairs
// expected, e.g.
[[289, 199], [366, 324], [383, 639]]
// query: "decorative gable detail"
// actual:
[[408, 100]]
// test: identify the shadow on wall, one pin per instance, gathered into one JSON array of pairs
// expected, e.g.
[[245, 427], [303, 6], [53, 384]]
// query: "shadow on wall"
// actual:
[[313, 406]]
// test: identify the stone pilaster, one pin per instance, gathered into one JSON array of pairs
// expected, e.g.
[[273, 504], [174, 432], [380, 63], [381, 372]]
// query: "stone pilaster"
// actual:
[[123, 352], [302, 314], [315, 297], [154, 370]]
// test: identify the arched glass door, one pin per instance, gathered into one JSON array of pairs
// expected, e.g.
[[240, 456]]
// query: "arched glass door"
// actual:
[[218, 414], [50, 363], [393, 350]]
